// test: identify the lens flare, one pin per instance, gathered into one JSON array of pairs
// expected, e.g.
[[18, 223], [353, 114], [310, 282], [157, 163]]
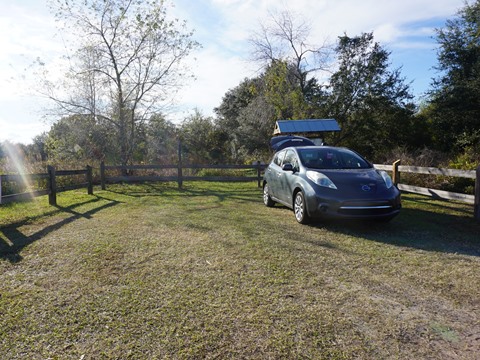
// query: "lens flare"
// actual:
[[15, 160]]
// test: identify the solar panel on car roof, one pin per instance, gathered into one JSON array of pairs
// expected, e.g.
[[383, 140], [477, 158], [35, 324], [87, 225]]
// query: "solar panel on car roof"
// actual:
[[306, 126]]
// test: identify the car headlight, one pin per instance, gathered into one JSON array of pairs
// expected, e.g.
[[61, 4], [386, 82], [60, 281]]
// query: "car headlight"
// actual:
[[387, 179], [321, 179]]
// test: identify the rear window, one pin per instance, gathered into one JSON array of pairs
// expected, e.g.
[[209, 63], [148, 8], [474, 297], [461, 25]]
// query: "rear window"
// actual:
[[332, 158]]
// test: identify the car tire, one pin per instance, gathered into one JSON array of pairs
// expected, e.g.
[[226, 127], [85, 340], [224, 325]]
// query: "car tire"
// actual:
[[300, 209], [267, 200]]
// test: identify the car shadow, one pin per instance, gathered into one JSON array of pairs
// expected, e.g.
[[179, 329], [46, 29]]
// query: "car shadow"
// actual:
[[13, 240], [417, 229]]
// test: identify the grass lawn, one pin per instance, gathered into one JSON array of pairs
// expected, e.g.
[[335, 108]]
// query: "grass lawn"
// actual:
[[208, 272]]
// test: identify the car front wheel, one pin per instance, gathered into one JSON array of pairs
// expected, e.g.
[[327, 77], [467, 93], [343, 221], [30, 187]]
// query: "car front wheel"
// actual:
[[267, 200], [300, 209]]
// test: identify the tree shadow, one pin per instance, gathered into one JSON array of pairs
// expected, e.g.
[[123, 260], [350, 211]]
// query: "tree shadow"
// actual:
[[139, 190], [171, 190], [14, 240]]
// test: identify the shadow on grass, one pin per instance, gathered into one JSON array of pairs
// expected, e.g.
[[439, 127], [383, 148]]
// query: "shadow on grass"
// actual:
[[416, 228], [423, 223], [139, 190], [171, 191], [17, 240]]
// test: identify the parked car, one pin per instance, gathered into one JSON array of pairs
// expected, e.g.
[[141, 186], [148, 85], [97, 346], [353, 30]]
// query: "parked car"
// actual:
[[325, 181]]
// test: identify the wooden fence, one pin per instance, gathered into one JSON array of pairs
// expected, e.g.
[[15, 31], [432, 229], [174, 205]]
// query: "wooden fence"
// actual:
[[179, 177], [179, 170], [474, 200], [52, 189]]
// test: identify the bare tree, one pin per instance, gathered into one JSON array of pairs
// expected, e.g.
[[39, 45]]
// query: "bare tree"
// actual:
[[128, 61], [285, 38]]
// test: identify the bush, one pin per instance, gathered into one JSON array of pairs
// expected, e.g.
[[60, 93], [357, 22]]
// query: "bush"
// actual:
[[227, 172], [425, 157]]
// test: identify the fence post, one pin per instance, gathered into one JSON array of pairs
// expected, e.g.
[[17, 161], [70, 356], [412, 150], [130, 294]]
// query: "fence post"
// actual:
[[102, 175], [477, 196], [52, 194], [395, 172], [0, 189], [180, 172], [259, 174], [89, 180]]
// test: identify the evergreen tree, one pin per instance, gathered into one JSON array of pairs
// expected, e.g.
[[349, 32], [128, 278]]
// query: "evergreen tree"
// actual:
[[371, 102], [454, 108]]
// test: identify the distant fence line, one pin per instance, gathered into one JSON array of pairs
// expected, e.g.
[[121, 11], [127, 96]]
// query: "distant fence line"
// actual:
[[179, 178], [396, 169]]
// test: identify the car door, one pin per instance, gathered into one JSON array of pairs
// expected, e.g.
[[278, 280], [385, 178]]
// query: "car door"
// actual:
[[286, 178], [274, 172]]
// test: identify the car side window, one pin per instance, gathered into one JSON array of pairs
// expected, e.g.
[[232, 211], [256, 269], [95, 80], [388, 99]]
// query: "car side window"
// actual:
[[291, 158], [277, 160]]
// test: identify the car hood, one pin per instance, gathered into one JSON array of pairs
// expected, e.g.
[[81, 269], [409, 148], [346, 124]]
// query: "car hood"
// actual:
[[361, 181]]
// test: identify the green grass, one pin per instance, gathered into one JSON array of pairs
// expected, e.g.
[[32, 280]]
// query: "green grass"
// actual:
[[153, 272]]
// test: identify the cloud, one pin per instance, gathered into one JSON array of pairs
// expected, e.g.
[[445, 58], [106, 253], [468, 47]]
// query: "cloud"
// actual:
[[216, 74], [27, 30], [16, 128]]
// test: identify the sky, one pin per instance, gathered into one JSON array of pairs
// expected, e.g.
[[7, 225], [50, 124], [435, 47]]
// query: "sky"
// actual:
[[405, 28]]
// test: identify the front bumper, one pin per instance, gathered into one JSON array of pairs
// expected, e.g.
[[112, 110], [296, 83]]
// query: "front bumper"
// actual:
[[385, 208]]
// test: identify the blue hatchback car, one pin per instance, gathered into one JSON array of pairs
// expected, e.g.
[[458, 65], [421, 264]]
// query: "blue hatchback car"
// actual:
[[325, 181]]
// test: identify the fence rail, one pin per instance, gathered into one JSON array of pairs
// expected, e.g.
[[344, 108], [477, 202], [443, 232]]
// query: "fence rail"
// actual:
[[474, 200], [52, 188], [180, 177]]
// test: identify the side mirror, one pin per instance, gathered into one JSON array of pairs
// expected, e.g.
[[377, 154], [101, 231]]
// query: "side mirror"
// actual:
[[288, 167]]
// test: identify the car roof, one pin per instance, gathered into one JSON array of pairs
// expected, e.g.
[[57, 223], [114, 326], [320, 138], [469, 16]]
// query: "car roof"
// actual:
[[316, 147], [281, 142]]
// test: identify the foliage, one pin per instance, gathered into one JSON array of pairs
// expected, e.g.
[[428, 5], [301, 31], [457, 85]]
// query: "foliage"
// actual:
[[246, 119], [284, 39], [19, 158], [129, 59], [113, 110], [370, 101], [202, 142], [284, 92], [81, 138], [454, 106], [161, 141]]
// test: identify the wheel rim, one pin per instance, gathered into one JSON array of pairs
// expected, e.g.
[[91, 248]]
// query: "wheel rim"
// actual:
[[265, 194], [299, 208]]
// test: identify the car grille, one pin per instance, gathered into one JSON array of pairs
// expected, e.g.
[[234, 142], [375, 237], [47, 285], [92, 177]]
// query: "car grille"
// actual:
[[365, 208]]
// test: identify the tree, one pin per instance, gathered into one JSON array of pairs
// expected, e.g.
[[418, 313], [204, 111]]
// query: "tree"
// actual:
[[202, 142], [454, 107], [290, 64], [285, 39], [161, 140], [80, 137], [370, 101], [246, 119], [37, 150], [128, 63], [231, 119], [282, 89]]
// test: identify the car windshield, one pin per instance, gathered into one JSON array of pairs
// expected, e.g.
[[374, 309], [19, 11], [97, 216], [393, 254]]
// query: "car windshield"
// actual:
[[332, 158]]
